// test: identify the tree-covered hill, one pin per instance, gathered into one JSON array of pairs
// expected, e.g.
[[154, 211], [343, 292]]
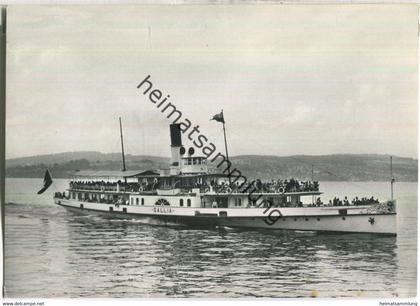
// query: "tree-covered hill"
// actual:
[[339, 167]]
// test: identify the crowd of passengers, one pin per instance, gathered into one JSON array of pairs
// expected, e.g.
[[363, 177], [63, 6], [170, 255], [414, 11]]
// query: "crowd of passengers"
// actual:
[[354, 202], [94, 199], [279, 186], [117, 186], [335, 202]]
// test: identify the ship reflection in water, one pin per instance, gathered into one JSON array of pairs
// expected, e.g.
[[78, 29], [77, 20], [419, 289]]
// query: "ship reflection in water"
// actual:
[[51, 252]]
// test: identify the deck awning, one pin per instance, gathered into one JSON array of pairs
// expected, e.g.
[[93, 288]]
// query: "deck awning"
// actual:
[[115, 174]]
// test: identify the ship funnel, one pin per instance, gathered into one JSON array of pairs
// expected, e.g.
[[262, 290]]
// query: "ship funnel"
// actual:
[[176, 144], [175, 135]]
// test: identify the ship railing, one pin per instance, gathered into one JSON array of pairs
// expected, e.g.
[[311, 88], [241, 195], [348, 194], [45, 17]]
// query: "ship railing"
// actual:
[[236, 191], [104, 201]]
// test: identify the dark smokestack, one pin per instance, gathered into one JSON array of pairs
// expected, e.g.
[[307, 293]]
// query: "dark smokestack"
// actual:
[[175, 135]]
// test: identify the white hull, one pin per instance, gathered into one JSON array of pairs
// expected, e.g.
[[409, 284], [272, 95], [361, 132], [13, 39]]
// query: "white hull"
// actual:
[[330, 219], [384, 223]]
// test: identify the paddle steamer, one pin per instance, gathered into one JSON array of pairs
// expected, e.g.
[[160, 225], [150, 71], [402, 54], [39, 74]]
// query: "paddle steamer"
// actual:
[[190, 193]]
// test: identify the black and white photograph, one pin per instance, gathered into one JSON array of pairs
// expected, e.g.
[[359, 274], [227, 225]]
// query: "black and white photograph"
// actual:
[[210, 151]]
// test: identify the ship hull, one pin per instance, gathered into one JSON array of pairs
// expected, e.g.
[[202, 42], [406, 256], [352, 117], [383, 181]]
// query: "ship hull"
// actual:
[[383, 223], [302, 219]]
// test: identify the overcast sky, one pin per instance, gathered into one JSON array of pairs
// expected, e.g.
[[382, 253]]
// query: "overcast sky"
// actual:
[[301, 79]]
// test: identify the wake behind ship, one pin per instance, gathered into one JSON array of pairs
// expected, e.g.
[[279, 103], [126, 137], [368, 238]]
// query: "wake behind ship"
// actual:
[[189, 193]]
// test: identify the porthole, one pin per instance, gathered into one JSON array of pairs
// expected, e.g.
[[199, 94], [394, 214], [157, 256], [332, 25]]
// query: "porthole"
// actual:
[[318, 219], [295, 219], [306, 219], [344, 218]]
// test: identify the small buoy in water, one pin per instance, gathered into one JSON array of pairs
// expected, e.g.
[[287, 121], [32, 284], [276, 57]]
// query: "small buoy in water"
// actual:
[[314, 294]]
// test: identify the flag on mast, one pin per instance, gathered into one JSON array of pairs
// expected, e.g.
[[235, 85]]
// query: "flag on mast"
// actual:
[[219, 117], [47, 182]]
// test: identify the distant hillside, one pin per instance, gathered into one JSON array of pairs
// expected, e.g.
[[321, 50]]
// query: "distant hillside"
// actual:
[[63, 165], [340, 167], [92, 156]]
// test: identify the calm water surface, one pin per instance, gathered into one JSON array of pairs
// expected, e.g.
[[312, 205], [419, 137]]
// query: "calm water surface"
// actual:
[[51, 252]]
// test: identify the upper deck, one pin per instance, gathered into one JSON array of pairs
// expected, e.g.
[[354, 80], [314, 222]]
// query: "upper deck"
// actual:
[[149, 182]]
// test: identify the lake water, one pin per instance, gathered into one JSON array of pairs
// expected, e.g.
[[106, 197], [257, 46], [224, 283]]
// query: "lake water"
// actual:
[[51, 252]]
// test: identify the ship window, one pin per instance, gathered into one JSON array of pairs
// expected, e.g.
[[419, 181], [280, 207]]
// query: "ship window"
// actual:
[[239, 202], [137, 201], [142, 201], [181, 202], [189, 202], [132, 201]]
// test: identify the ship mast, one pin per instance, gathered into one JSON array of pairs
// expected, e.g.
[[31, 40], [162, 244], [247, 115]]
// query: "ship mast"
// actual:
[[312, 181], [122, 147], [226, 148], [392, 182]]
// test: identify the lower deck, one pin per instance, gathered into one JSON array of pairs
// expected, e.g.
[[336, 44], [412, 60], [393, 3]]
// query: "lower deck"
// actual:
[[196, 199]]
